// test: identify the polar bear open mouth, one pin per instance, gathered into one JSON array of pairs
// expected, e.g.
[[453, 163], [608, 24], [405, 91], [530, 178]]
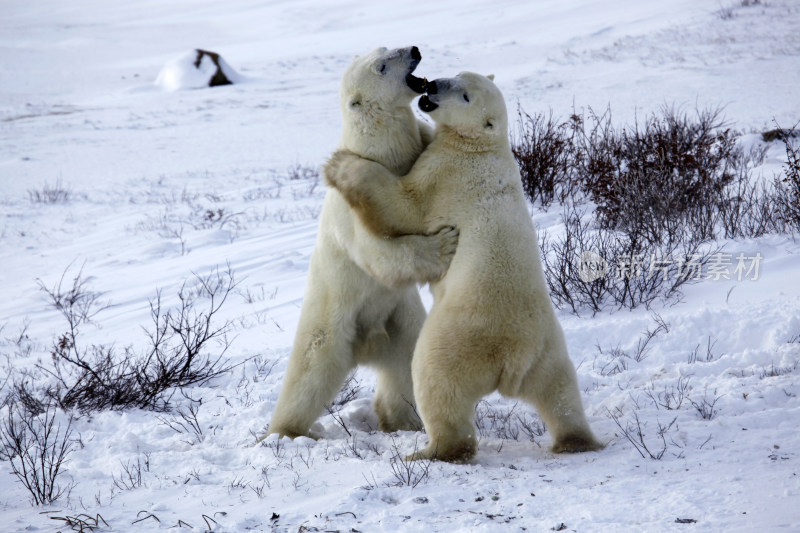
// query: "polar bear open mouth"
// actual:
[[416, 84], [426, 105]]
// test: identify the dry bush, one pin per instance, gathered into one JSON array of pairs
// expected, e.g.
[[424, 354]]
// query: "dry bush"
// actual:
[[790, 185], [636, 271], [37, 449], [544, 151], [636, 432], [660, 190], [96, 377], [50, 194]]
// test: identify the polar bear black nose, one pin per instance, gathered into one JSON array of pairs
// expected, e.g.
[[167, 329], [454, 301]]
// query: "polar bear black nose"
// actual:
[[431, 87], [415, 53]]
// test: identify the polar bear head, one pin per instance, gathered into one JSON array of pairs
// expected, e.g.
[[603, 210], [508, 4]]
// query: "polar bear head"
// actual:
[[469, 104], [380, 81]]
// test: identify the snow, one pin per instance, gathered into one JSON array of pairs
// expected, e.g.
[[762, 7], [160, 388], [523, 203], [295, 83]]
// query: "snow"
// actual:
[[142, 167]]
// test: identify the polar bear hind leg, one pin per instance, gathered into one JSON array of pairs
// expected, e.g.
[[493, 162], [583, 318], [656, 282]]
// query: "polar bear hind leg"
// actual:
[[321, 359], [451, 374], [551, 385], [394, 393]]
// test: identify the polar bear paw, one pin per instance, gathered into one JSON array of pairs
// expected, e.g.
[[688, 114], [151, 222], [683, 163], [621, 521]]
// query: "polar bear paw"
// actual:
[[444, 242], [336, 169], [458, 452]]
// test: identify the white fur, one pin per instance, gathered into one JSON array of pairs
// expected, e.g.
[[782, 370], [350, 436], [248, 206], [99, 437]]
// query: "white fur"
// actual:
[[361, 304], [492, 326]]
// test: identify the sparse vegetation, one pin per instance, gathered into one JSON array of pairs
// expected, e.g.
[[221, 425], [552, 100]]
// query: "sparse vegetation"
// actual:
[[97, 377], [707, 405], [508, 423], [634, 431], [408, 473], [671, 397], [37, 449], [50, 194], [645, 202]]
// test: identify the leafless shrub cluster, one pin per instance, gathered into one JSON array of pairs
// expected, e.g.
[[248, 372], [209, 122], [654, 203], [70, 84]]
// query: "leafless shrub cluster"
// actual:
[[706, 406], [790, 185], [185, 422], [545, 153], [37, 449], [615, 360], [350, 391], [308, 173], [90, 378], [632, 270], [302, 172], [507, 423], [131, 476], [773, 371], [662, 190], [728, 12], [705, 355], [634, 430], [670, 397], [408, 473], [50, 194]]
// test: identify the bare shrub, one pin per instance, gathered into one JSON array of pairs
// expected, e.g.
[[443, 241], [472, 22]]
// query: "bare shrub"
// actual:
[[790, 185], [671, 397], [666, 175], [705, 355], [706, 406], [308, 173], [131, 476], [408, 473], [350, 391], [751, 209], [507, 423], [636, 271], [725, 13], [634, 431], [674, 178], [50, 194], [90, 378], [185, 422], [544, 151], [37, 449]]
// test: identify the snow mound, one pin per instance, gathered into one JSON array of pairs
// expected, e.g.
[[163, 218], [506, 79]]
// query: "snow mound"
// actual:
[[195, 70]]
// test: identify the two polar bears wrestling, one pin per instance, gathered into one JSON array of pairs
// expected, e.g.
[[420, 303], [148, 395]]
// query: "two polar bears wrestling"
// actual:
[[449, 210]]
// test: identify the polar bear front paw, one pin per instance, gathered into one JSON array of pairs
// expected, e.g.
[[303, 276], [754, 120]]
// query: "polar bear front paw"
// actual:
[[335, 170], [436, 253], [448, 242]]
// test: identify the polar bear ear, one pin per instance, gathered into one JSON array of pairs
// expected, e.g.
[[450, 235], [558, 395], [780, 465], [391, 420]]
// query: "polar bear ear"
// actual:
[[491, 77]]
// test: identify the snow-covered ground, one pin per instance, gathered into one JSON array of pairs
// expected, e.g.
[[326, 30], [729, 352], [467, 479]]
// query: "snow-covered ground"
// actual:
[[161, 185]]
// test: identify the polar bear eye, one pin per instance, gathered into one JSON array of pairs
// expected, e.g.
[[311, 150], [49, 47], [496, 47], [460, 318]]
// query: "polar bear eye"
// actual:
[[466, 97], [383, 68]]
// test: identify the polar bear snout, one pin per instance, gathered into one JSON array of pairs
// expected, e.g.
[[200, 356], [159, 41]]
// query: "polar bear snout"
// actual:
[[416, 84]]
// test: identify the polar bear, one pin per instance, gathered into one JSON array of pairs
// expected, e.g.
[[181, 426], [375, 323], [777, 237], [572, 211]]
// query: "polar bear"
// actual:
[[492, 325], [361, 304]]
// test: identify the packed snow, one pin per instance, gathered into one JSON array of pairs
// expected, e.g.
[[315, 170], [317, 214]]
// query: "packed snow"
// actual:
[[139, 189]]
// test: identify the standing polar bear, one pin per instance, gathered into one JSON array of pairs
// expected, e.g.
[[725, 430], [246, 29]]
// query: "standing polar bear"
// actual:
[[492, 326], [361, 304]]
